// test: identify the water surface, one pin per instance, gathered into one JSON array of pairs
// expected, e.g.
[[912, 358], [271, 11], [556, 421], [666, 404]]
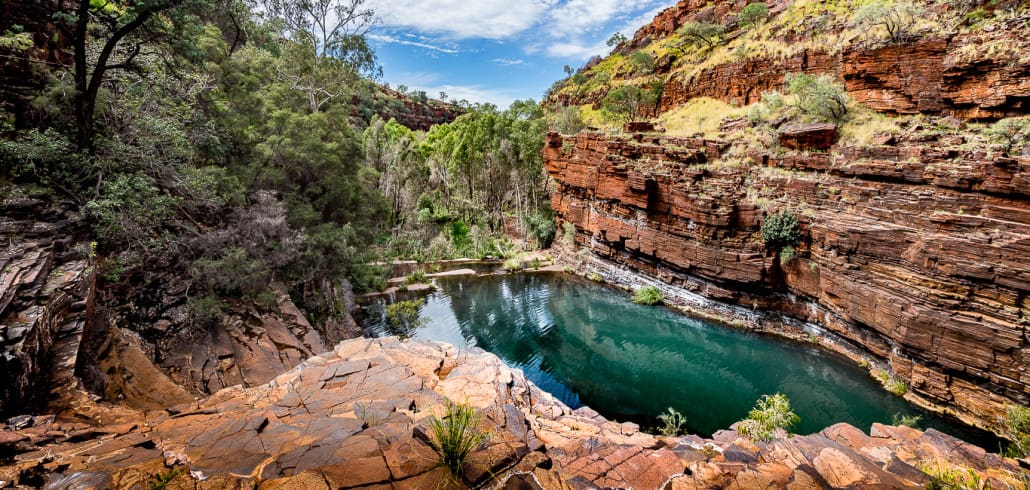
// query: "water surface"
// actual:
[[588, 344]]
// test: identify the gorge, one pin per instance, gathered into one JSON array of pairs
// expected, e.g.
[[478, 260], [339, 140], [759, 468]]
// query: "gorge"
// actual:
[[213, 212]]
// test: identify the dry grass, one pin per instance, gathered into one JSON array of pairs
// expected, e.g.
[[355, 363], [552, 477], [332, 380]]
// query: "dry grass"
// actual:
[[701, 115]]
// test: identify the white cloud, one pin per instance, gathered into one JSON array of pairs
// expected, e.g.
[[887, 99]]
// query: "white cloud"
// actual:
[[508, 62], [383, 38], [489, 19], [473, 93], [578, 27]]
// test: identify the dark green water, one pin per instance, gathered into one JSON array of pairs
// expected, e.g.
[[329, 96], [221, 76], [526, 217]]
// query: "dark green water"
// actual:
[[590, 345]]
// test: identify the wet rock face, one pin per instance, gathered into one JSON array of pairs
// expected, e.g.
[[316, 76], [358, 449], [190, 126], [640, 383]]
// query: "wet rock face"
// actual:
[[45, 287], [915, 252], [356, 417]]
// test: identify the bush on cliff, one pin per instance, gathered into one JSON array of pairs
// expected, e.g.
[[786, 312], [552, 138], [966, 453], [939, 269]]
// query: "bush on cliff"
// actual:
[[753, 15], [821, 98], [1010, 133], [1017, 429], [648, 295], [771, 413], [897, 18], [781, 230]]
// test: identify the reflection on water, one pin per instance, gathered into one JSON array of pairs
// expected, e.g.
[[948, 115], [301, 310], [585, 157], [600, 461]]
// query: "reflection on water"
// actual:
[[587, 344]]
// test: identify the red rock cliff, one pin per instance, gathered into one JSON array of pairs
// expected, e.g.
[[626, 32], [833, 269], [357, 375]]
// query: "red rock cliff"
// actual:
[[916, 252]]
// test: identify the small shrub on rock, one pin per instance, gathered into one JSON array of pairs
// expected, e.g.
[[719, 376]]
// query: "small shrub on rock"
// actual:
[[672, 423], [1017, 428], [771, 413], [821, 98], [648, 295]]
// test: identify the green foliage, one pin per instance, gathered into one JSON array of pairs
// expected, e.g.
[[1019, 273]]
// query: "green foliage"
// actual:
[[595, 276], [787, 254], [567, 120], [235, 273], [629, 103], [897, 18], [1017, 430], [820, 97], [702, 34], [204, 310], [404, 315], [368, 278], [753, 14], [542, 226], [897, 386], [456, 435], [616, 39], [416, 277], [944, 476], [161, 481], [132, 211], [570, 233], [672, 423], [771, 413], [648, 295], [15, 39], [781, 230], [1010, 133], [641, 62], [906, 420]]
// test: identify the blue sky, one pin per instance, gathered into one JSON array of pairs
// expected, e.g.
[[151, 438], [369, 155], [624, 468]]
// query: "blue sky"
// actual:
[[496, 50]]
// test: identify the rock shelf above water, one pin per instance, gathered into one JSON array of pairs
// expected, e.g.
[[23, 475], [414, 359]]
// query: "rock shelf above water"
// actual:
[[357, 417]]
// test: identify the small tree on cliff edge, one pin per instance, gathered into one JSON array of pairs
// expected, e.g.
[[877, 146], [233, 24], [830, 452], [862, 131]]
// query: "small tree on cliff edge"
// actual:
[[629, 103]]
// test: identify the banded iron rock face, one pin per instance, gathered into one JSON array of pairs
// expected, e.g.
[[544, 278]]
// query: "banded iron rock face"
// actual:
[[915, 252]]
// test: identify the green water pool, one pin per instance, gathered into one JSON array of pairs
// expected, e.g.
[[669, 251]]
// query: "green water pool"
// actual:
[[588, 344]]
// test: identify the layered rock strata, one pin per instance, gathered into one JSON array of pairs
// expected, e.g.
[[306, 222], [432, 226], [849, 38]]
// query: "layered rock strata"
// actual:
[[914, 252], [356, 417], [46, 288]]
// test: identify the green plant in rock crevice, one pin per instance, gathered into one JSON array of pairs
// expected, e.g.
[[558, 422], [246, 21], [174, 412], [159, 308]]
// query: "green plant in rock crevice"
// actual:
[[672, 422], [456, 435]]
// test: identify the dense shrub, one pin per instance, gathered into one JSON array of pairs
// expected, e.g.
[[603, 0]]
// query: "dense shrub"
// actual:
[[542, 226], [771, 413], [781, 230]]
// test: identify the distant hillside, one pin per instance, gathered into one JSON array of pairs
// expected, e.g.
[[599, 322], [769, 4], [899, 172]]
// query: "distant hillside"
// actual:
[[414, 109], [969, 59]]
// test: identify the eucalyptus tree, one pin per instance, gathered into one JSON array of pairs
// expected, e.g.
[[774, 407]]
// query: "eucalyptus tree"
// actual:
[[329, 51]]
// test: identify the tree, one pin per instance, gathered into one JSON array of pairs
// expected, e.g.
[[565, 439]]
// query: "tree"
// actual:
[[629, 103], [753, 14], [568, 70], [115, 21], [702, 33], [820, 97], [898, 18], [616, 39], [330, 48]]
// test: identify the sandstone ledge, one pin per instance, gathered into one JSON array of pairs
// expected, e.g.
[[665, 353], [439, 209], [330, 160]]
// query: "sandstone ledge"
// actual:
[[355, 417]]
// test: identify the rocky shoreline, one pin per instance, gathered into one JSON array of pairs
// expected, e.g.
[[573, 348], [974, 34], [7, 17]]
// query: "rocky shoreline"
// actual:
[[355, 417]]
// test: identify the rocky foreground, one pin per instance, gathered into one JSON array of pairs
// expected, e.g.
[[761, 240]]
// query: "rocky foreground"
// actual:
[[356, 417]]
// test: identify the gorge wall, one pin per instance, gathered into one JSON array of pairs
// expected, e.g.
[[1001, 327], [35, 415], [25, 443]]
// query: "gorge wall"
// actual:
[[915, 251]]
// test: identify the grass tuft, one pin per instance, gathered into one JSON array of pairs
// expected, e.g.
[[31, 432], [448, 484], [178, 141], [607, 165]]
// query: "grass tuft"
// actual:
[[648, 295], [456, 435]]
